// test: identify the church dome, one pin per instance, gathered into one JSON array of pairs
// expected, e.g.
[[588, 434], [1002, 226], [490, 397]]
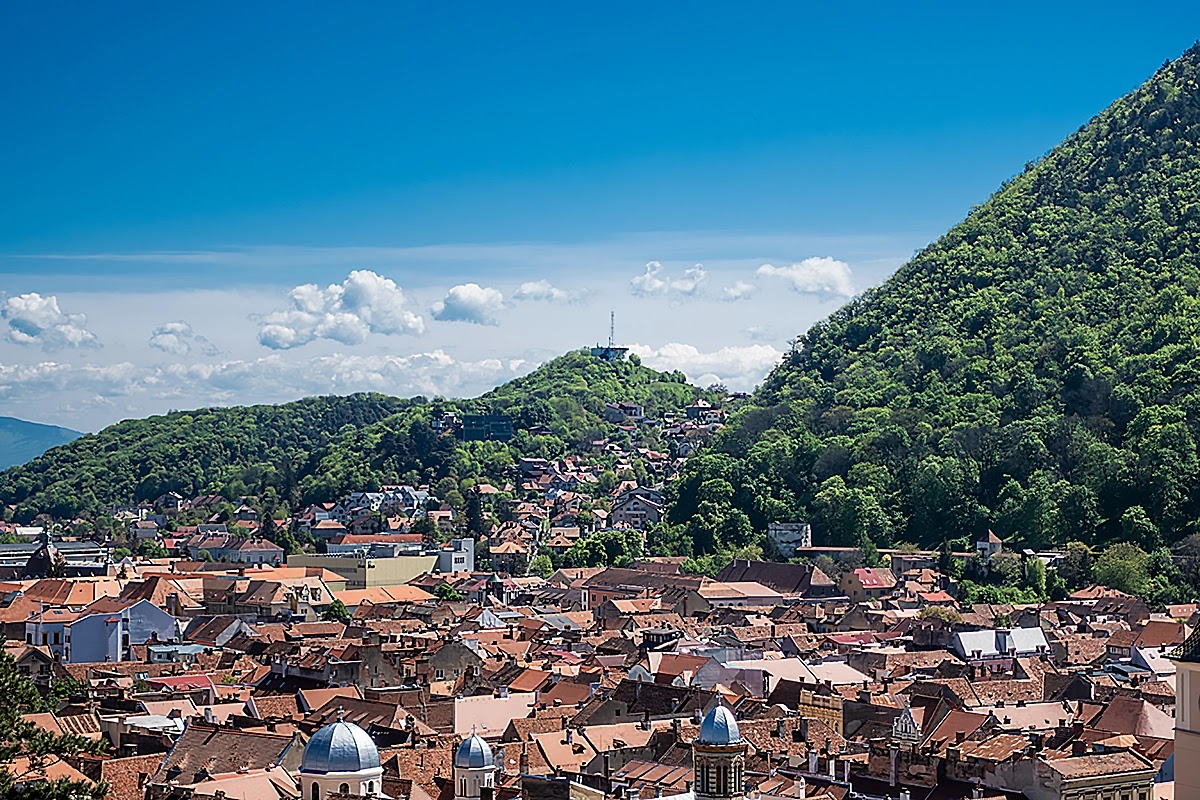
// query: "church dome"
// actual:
[[340, 747], [474, 753], [719, 727]]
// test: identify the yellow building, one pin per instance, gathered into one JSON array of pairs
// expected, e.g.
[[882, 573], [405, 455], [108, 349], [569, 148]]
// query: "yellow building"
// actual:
[[825, 707], [368, 573]]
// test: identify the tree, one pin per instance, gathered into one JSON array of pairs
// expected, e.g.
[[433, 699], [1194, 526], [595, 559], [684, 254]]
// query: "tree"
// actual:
[[1075, 567], [1006, 568], [615, 548], [18, 737], [121, 553], [1123, 566], [152, 549], [541, 566], [336, 612], [1035, 576], [474, 514], [1136, 526], [445, 591], [204, 555], [943, 613]]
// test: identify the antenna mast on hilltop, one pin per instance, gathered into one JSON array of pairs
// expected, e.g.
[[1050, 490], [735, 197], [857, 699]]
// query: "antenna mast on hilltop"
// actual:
[[612, 352]]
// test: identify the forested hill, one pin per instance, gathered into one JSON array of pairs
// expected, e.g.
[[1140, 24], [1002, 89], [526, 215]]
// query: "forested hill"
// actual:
[[1036, 370], [322, 447]]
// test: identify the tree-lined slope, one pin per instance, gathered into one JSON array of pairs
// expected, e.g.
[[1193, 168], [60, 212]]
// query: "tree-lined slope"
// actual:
[[1036, 370], [322, 447]]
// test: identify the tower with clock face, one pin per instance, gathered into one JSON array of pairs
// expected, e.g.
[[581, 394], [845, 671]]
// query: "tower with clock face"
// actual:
[[1186, 659]]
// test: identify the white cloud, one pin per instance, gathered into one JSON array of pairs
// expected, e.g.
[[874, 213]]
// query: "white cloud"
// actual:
[[739, 368], [654, 282], [37, 320], [826, 276], [366, 302], [272, 378], [470, 302], [760, 333], [179, 339], [543, 290], [739, 291]]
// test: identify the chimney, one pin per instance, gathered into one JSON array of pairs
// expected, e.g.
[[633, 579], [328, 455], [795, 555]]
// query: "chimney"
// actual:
[[960, 737], [893, 757], [523, 764], [1079, 747], [832, 764], [812, 761]]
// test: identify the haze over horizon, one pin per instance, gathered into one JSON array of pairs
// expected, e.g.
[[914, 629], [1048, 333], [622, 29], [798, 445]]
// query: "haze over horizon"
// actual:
[[218, 208]]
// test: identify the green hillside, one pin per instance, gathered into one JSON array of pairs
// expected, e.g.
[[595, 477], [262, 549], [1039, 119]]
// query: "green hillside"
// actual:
[[321, 447], [1036, 370], [21, 440], [566, 395]]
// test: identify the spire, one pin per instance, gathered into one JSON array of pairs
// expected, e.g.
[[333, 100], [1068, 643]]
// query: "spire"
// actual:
[[341, 714]]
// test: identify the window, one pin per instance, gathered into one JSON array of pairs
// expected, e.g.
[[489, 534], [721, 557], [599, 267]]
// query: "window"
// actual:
[[344, 789], [316, 792]]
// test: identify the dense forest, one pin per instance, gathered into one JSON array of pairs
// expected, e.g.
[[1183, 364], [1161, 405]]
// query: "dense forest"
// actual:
[[322, 447], [1035, 371]]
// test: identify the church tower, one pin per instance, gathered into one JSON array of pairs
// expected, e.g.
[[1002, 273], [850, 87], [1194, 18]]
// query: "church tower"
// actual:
[[1186, 659], [719, 757], [340, 759], [474, 768]]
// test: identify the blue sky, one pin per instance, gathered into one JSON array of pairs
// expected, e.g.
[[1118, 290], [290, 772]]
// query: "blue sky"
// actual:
[[170, 165]]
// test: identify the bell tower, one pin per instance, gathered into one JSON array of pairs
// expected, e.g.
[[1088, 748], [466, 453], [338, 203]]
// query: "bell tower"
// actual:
[[1186, 659], [719, 757]]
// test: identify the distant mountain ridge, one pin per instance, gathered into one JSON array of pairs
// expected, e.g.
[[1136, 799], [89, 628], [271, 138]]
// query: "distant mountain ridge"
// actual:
[[22, 441]]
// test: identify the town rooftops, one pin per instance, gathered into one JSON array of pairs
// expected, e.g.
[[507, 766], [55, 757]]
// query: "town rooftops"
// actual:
[[1096, 764]]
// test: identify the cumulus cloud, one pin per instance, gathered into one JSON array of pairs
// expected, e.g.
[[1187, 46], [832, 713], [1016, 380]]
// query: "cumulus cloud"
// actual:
[[654, 282], [826, 276], [179, 339], [366, 302], [739, 291], [272, 378], [739, 368], [543, 290], [37, 320], [470, 302]]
